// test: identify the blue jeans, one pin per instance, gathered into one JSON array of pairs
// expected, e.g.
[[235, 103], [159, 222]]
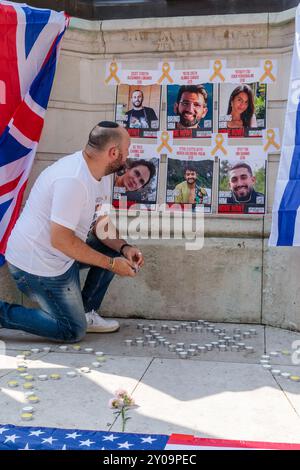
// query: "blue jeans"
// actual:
[[63, 305]]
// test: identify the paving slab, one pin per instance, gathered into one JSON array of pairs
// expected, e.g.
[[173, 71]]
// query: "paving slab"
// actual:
[[224, 395], [79, 402], [210, 399], [114, 343], [284, 341], [9, 361], [290, 387]]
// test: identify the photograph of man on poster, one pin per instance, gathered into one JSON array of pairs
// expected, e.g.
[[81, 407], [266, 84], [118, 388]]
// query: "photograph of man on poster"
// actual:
[[187, 192], [138, 108], [139, 116], [242, 185], [189, 182], [189, 110]]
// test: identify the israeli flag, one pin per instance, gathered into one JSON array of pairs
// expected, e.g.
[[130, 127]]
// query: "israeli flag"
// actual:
[[286, 214]]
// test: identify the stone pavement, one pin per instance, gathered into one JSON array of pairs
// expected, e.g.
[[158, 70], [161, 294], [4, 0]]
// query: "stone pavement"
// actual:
[[216, 394]]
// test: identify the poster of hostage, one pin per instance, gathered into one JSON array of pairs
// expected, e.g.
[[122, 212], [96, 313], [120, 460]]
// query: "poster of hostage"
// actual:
[[190, 110], [242, 109], [137, 182], [242, 185], [189, 182], [138, 109]]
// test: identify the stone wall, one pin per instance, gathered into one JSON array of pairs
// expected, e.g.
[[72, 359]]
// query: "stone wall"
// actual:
[[235, 277]]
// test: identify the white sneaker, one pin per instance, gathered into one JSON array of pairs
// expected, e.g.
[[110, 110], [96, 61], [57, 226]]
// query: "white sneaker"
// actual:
[[97, 324]]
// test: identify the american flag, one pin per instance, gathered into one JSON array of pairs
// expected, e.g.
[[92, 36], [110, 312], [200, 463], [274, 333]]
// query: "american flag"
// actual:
[[286, 210], [29, 438], [29, 48], [42, 438]]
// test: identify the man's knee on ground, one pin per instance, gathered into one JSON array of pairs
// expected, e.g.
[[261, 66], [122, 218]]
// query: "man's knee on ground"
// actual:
[[74, 332]]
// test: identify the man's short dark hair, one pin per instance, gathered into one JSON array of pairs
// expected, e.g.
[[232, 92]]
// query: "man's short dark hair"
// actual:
[[190, 168], [242, 165], [198, 89], [103, 133], [140, 91]]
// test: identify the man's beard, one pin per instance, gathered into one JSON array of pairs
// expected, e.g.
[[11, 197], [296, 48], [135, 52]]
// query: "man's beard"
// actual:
[[244, 198], [115, 166], [191, 180], [187, 123]]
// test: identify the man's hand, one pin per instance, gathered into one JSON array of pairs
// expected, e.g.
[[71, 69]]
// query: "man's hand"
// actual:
[[124, 267], [134, 255]]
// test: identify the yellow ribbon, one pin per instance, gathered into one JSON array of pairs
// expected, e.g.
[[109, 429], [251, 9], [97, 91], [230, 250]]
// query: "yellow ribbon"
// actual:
[[219, 141], [113, 68], [268, 67], [166, 69], [271, 140], [164, 142], [217, 71]]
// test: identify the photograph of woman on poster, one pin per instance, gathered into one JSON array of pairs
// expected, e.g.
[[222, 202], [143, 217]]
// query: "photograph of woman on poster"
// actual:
[[135, 175], [137, 181], [241, 108]]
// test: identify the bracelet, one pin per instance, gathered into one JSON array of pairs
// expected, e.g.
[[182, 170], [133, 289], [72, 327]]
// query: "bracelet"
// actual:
[[122, 247], [111, 263]]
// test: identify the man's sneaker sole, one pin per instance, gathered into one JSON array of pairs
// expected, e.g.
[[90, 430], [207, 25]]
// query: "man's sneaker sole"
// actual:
[[101, 329]]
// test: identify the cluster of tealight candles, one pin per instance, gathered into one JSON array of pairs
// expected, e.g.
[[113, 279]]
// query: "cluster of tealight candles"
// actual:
[[223, 341]]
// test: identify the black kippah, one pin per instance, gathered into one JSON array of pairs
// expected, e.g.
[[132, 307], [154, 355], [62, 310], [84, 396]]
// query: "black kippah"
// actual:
[[108, 124]]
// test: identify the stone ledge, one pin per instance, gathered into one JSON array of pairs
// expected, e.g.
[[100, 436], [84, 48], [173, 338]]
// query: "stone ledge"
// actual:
[[179, 34], [184, 22]]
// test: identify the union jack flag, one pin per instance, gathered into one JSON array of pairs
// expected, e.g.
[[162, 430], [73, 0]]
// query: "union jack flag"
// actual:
[[29, 48]]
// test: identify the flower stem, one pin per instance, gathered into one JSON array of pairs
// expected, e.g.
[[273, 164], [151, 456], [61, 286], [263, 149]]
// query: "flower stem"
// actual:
[[123, 419]]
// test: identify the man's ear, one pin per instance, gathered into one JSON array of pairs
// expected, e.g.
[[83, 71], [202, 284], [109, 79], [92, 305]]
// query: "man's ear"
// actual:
[[253, 178], [113, 152], [176, 108]]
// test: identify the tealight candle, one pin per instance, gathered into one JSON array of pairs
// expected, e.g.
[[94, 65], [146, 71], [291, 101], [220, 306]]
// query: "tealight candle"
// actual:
[[33, 399], [73, 374], [183, 355], [286, 375], [35, 350]]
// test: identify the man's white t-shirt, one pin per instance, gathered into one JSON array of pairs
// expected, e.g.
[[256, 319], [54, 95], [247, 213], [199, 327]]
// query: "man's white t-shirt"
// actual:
[[65, 193]]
